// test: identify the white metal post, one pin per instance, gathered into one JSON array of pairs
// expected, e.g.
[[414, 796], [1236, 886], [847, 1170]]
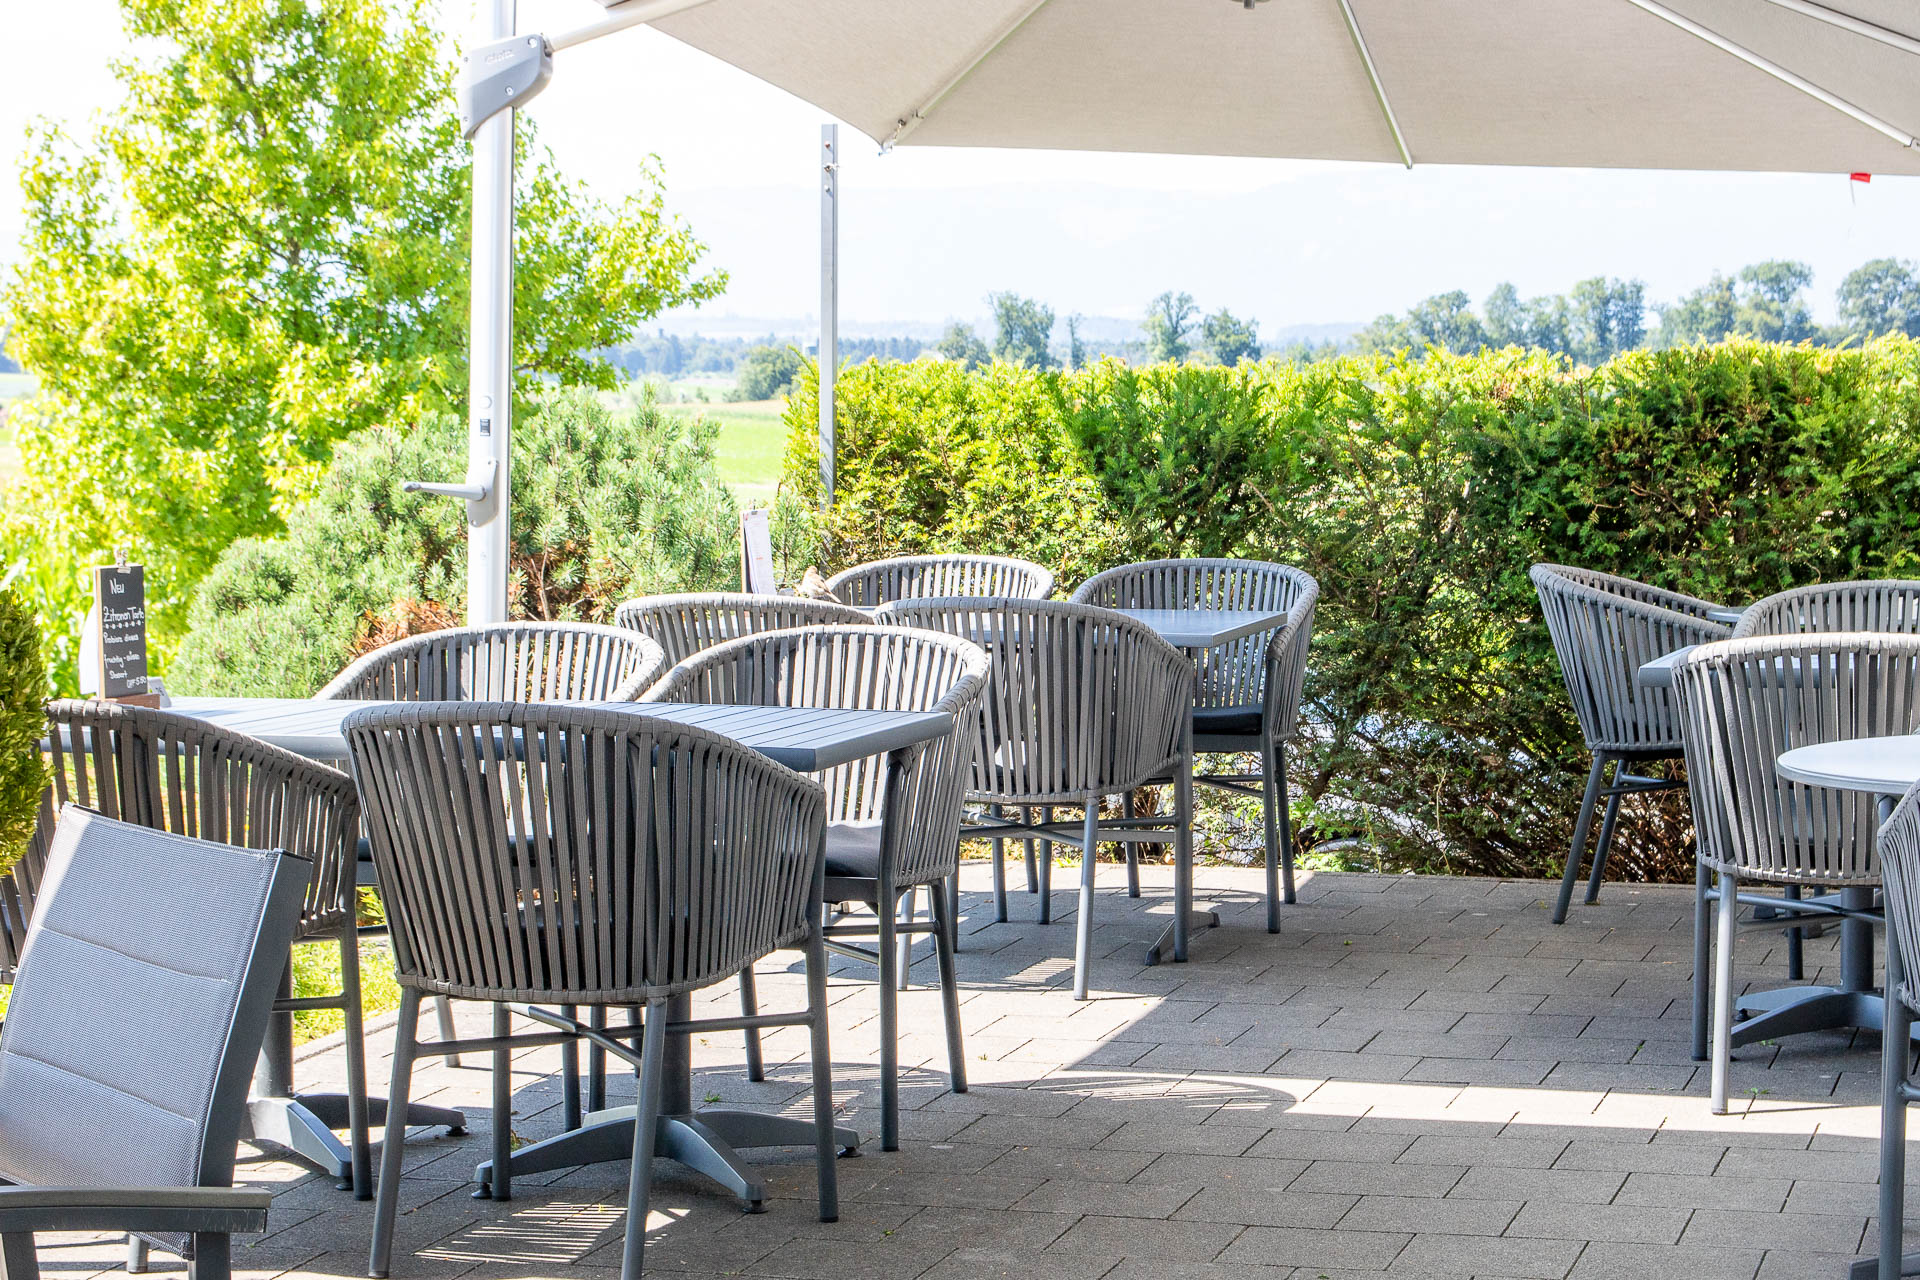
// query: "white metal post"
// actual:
[[829, 298], [490, 371]]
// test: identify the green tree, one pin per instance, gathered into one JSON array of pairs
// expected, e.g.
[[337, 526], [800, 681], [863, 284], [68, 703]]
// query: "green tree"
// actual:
[[1022, 329], [1707, 314], [1230, 339], [260, 251], [1076, 347], [1773, 305], [1168, 325], [23, 690], [1605, 318], [767, 372], [1446, 321], [1881, 296], [962, 345]]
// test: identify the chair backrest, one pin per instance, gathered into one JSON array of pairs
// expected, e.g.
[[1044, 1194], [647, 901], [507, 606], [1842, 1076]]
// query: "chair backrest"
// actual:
[[683, 625], [579, 855], [1743, 702], [174, 773], [934, 577], [915, 793], [1604, 629], [1080, 701], [512, 662], [138, 1013], [1232, 674], [1888, 604], [1899, 849]]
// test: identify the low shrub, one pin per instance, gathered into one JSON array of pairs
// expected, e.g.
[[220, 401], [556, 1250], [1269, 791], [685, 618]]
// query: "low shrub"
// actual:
[[23, 691], [1418, 492], [605, 505]]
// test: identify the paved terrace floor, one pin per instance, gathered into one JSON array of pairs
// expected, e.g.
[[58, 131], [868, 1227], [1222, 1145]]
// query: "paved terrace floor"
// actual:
[[1417, 1077]]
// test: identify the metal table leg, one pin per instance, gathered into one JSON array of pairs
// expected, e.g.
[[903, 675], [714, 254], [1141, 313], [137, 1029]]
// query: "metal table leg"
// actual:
[[1787, 1011], [1185, 918]]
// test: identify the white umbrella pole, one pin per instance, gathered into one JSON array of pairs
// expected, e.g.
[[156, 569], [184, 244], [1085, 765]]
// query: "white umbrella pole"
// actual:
[[829, 363], [490, 367]]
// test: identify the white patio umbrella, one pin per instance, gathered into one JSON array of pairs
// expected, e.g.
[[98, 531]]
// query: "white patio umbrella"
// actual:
[[1774, 85]]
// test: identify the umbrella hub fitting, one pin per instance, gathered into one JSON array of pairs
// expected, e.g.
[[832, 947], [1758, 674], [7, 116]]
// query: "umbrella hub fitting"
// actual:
[[502, 75]]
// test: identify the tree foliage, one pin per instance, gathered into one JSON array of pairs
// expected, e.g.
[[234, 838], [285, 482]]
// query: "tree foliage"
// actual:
[[260, 252], [1880, 297], [767, 372], [1168, 326], [1022, 330], [1229, 339], [963, 346], [23, 691], [1766, 300]]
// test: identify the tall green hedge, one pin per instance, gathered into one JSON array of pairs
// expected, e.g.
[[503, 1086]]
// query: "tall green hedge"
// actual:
[[23, 691], [1418, 492]]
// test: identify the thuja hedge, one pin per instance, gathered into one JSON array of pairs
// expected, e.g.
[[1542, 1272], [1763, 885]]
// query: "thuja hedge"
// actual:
[[1417, 491]]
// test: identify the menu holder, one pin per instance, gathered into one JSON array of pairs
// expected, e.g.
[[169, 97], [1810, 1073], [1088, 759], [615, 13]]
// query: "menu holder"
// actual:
[[756, 553], [120, 638]]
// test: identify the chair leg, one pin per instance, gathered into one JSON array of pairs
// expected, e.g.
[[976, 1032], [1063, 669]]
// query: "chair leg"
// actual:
[[1083, 927], [570, 1109], [1283, 797], [1132, 852], [824, 1150], [905, 943], [889, 1020], [646, 1124], [359, 1141], [1796, 950], [1000, 881], [1702, 960], [1044, 856], [1895, 1047], [501, 1186], [443, 1013], [406, 1031], [1606, 837], [1580, 828], [943, 933], [597, 1062], [1033, 847], [138, 1256], [212, 1256], [1728, 908], [750, 1007], [18, 1261], [953, 905]]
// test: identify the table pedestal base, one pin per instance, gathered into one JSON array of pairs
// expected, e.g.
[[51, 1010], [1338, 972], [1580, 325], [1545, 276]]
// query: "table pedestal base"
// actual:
[[1172, 940], [305, 1126], [1869, 1268], [703, 1141]]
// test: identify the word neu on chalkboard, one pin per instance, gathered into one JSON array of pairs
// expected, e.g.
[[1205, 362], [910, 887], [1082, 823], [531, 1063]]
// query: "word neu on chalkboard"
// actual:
[[120, 611]]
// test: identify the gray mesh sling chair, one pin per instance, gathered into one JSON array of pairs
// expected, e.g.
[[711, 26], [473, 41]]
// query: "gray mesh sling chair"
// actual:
[[178, 774], [141, 999], [1246, 694], [683, 625], [1891, 605], [573, 856], [1081, 703], [1604, 629], [893, 823], [1743, 703], [508, 662], [1899, 850], [928, 577]]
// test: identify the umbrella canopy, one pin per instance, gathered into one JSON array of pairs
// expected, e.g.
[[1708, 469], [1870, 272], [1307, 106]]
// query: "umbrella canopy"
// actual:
[[1782, 85]]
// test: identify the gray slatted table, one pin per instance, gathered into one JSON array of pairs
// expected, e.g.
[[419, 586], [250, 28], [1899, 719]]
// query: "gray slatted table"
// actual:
[[1196, 631], [804, 739]]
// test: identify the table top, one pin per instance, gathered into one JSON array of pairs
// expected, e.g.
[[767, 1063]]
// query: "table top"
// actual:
[[1658, 674], [1728, 614], [805, 739], [1885, 766], [1207, 628]]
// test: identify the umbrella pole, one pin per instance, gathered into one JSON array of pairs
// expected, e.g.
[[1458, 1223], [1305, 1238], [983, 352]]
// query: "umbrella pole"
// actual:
[[490, 371], [829, 361]]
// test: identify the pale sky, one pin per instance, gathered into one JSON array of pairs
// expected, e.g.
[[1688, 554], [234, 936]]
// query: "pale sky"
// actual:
[[927, 234]]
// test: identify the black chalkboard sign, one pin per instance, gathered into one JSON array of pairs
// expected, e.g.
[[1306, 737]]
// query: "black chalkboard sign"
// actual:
[[121, 593]]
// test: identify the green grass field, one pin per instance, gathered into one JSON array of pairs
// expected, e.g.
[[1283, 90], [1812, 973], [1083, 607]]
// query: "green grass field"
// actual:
[[752, 442]]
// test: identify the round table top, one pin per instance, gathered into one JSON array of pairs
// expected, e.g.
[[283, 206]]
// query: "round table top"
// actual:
[[1883, 766]]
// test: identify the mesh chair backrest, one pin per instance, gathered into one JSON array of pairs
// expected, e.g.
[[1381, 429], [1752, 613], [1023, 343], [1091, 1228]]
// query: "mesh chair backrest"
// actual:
[[1884, 605], [1604, 629], [579, 855], [865, 668], [683, 625], [1080, 701], [175, 773], [513, 662], [1743, 702], [932, 577], [1232, 674], [1899, 849], [133, 1026]]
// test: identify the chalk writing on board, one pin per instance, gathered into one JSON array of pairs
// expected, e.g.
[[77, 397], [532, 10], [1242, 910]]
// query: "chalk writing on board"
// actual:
[[122, 593]]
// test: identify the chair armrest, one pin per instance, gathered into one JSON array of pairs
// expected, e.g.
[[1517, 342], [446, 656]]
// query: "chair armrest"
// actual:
[[216, 1210]]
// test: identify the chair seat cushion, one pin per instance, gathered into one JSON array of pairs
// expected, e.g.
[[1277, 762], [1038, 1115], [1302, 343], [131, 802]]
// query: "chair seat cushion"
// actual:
[[853, 849], [1222, 721]]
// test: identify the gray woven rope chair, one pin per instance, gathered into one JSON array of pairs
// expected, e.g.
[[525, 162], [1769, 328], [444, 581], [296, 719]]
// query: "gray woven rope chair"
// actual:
[[1081, 703], [683, 625], [509, 662], [142, 996], [893, 823], [1743, 703], [1604, 629], [1246, 695], [178, 774], [1899, 850], [1890, 605], [574, 856], [930, 577]]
